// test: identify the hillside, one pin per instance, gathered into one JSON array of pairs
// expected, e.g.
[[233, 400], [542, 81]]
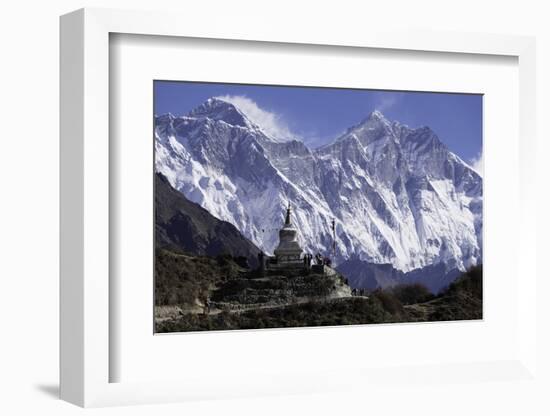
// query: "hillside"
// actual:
[[183, 225], [203, 293], [187, 281], [202, 285], [463, 299]]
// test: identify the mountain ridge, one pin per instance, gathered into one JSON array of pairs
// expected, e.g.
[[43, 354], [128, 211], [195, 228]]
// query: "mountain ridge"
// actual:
[[398, 195]]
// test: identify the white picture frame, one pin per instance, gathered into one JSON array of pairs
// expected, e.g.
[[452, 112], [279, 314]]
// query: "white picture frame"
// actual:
[[85, 213]]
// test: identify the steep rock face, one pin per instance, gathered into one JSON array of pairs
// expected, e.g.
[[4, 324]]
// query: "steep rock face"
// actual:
[[187, 226], [398, 195]]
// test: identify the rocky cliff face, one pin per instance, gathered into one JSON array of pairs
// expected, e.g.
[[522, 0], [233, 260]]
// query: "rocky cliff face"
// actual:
[[398, 195]]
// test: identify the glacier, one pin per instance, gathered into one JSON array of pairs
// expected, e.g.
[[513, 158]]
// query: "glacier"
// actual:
[[397, 194]]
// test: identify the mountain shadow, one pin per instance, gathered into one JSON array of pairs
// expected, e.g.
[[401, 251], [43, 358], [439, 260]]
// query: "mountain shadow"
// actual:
[[185, 226]]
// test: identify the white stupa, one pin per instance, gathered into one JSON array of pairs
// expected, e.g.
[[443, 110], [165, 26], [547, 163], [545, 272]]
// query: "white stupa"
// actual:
[[289, 252]]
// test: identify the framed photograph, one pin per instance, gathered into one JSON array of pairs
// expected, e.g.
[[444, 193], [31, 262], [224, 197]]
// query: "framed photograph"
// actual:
[[291, 196]]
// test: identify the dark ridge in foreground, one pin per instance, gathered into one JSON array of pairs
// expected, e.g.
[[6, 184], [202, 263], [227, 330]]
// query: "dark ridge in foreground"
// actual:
[[186, 226]]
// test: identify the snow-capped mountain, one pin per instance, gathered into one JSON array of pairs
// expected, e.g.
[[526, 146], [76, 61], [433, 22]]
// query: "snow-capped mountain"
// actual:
[[398, 195]]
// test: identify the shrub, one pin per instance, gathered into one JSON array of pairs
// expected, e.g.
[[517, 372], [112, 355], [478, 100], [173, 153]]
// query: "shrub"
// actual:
[[412, 293]]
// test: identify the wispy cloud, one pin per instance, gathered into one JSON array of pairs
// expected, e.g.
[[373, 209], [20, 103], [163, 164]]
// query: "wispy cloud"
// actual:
[[272, 123], [386, 100], [477, 163]]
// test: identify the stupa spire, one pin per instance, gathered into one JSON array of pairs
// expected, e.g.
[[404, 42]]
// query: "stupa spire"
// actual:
[[287, 219]]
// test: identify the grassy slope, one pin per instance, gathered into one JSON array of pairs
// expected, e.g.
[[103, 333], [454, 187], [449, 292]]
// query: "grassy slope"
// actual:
[[184, 280]]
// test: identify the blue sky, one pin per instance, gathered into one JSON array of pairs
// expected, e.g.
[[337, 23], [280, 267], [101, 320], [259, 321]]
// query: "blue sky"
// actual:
[[318, 115]]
